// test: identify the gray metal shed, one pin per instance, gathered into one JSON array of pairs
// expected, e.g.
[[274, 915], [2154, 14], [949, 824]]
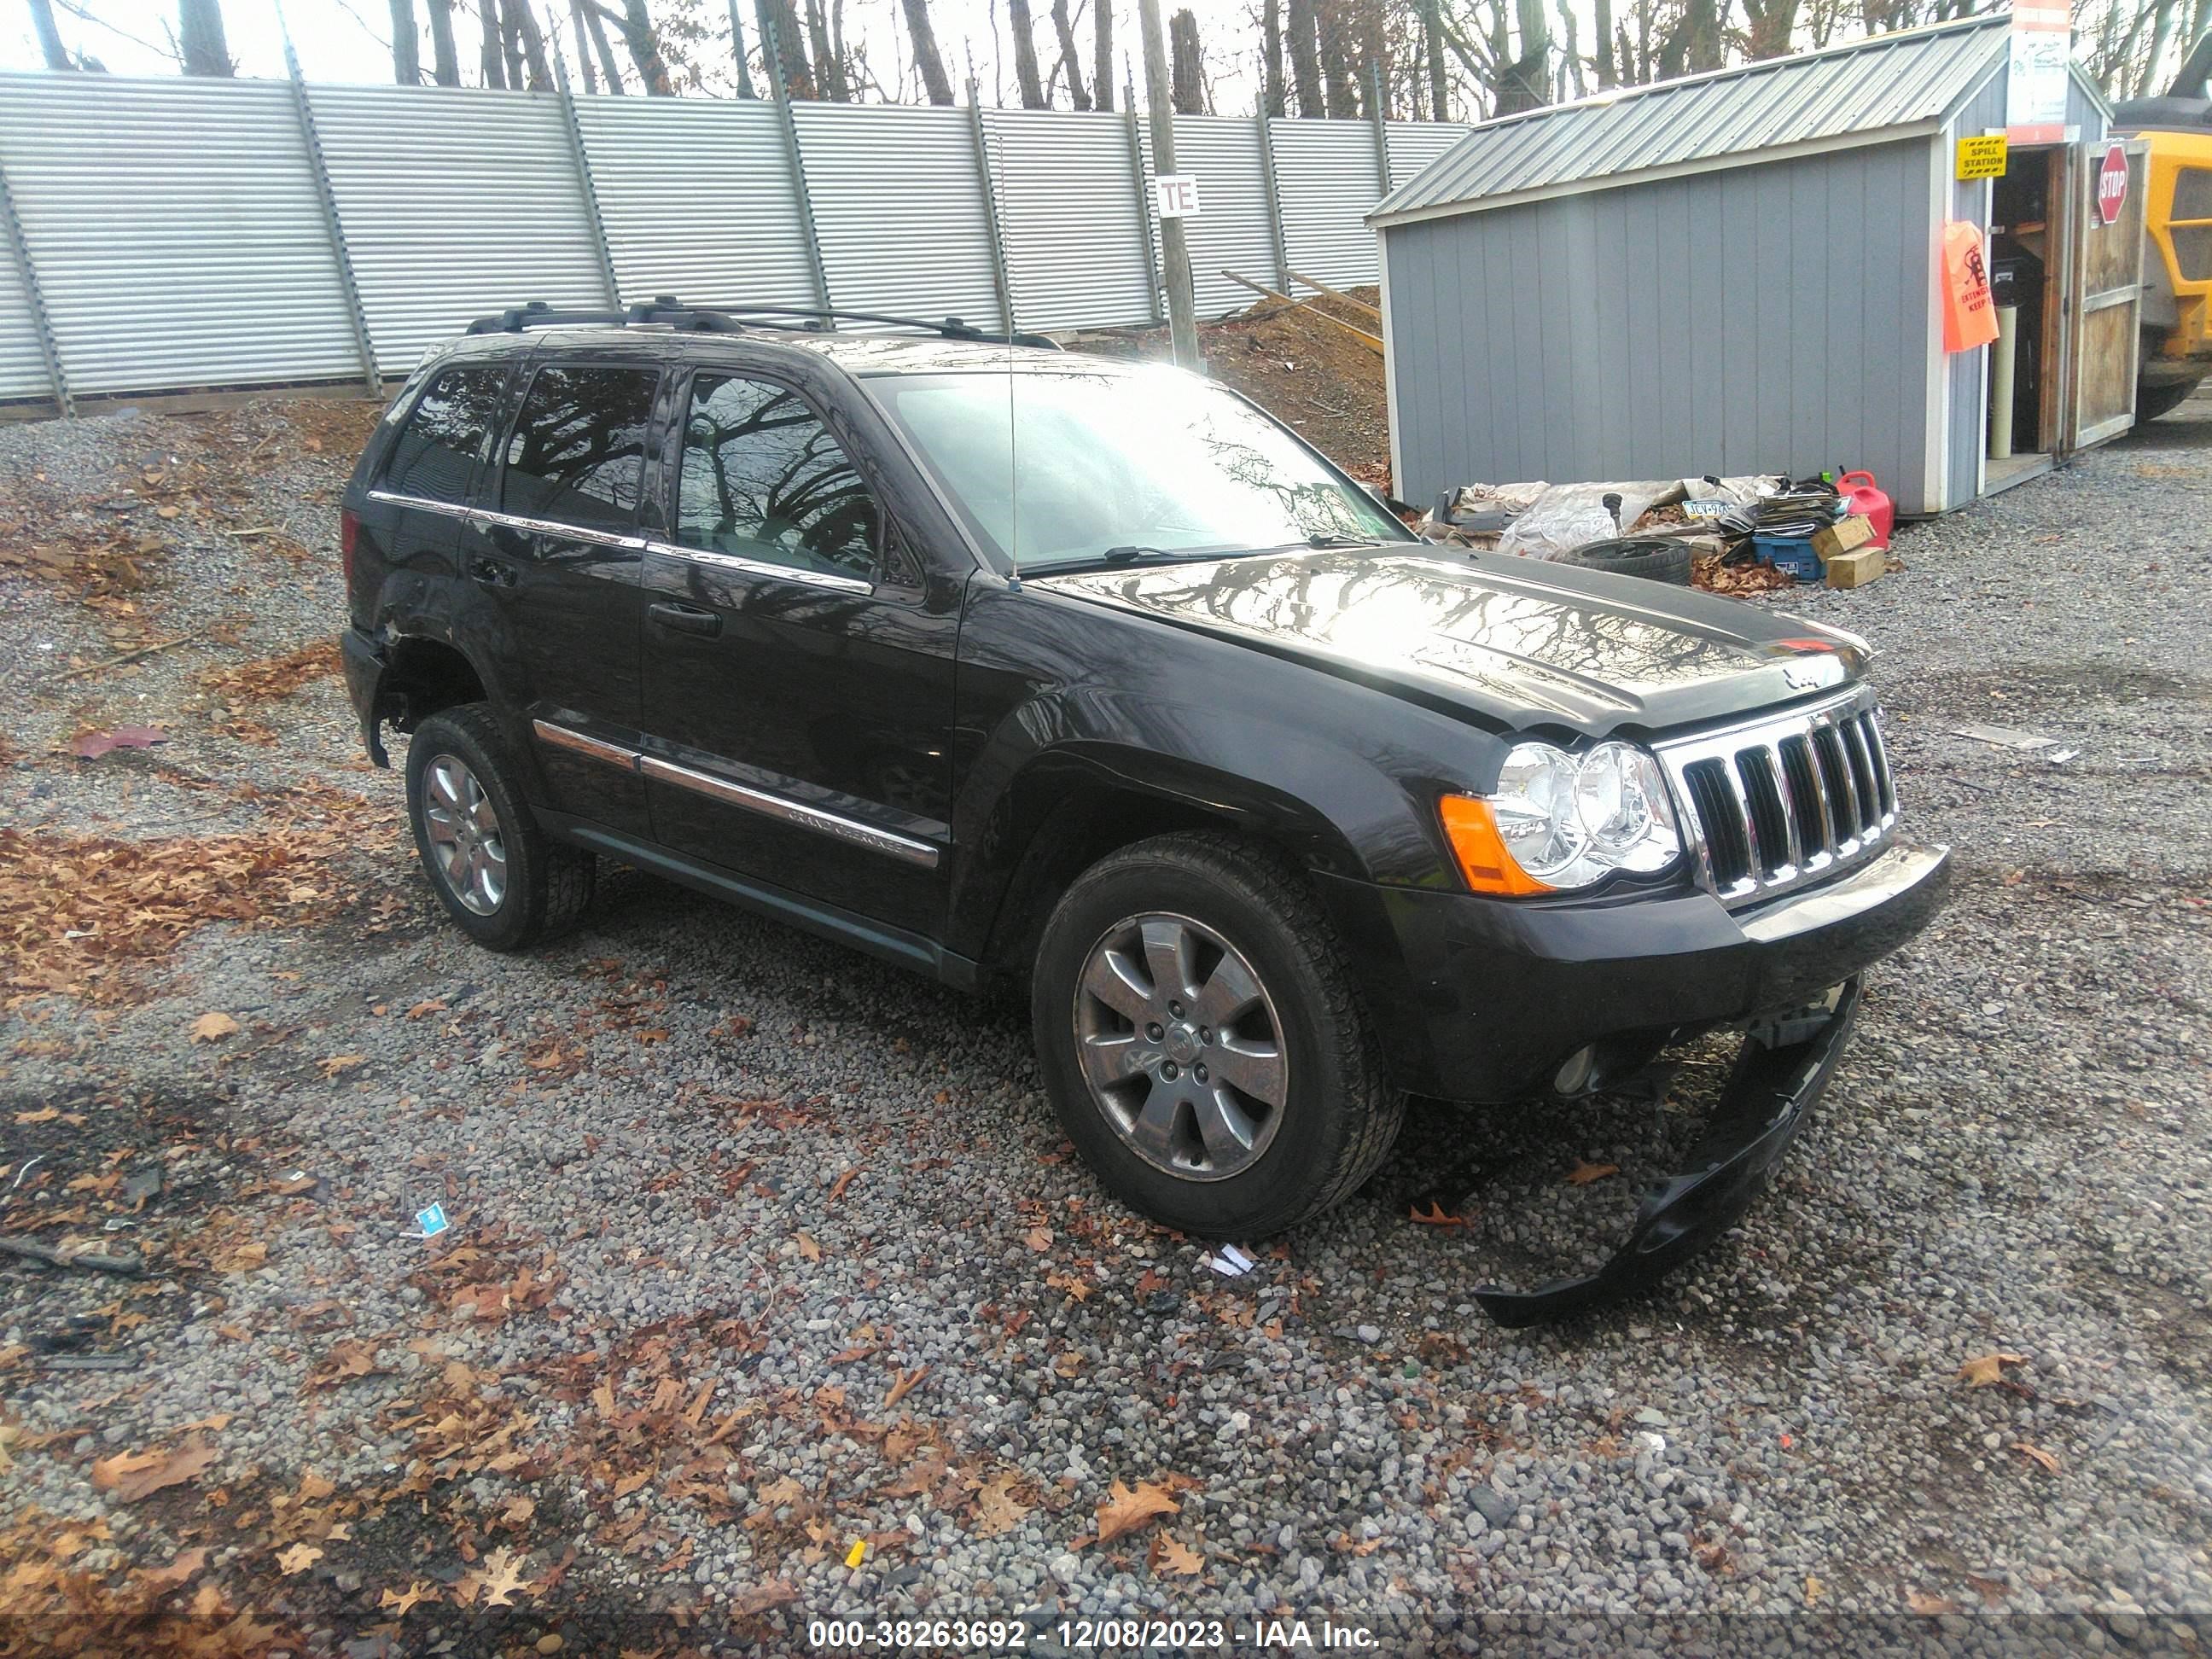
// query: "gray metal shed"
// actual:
[[1740, 272]]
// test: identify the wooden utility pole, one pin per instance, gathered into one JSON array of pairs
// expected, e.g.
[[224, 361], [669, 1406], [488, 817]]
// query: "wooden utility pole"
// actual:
[[1175, 252]]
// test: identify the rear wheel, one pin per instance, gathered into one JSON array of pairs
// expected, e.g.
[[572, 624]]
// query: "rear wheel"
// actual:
[[2152, 401], [1200, 1039], [504, 882]]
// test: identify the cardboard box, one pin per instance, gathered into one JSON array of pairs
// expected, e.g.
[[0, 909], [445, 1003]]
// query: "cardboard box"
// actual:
[[1857, 568], [1841, 536]]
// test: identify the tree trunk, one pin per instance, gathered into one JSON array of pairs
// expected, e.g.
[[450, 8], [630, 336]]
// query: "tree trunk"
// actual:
[[445, 61], [785, 48], [829, 73], [926, 58], [510, 41], [406, 45], [1101, 53], [489, 55], [585, 66], [1607, 75], [524, 22], [588, 18], [1071, 60], [50, 38], [200, 38], [1708, 49], [1025, 61], [1271, 57], [1432, 49], [1336, 61], [1305, 60], [1188, 64], [636, 22]]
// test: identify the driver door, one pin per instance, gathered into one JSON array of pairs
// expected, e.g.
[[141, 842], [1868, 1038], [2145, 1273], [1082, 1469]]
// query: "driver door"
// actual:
[[797, 684]]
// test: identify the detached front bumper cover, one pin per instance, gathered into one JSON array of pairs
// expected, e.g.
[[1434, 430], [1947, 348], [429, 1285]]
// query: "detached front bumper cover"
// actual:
[[1783, 1067]]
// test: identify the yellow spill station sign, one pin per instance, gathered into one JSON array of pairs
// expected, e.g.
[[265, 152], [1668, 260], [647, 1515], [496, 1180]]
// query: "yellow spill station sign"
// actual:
[[1983, 157]]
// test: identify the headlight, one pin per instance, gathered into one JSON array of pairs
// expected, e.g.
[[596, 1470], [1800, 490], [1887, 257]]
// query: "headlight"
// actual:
[[1562, 821]]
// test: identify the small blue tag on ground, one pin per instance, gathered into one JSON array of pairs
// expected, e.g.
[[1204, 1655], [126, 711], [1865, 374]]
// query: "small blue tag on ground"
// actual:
[[431, 1221]]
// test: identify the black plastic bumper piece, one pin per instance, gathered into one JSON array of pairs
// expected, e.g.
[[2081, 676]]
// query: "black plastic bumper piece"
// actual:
[[364, 677], [1781, 1072]]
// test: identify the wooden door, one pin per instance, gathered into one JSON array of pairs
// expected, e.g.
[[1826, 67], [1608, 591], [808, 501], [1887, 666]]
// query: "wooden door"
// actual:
[[2107, 331]]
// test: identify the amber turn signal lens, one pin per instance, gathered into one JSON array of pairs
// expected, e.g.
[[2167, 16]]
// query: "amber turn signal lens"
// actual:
[[1483, 859]]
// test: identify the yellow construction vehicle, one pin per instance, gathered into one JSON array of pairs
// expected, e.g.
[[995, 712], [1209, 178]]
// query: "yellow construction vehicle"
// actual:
[[2176, 298]]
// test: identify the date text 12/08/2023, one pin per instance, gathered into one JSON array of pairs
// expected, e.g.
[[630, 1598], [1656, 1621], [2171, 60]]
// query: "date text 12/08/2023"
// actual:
[[1087, 1635]]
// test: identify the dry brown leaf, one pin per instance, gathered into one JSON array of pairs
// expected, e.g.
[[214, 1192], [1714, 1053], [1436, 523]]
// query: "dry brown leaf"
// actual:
[[1437, 1216], [773, 1594], [500, 1578], [1073, 1286], [297, 1559], [837, 1187], [997, 1511], [1124, 1510], [1038, 1239], [1815, 1589], [43, 1114], [808, 1250], [1985, 1368], [1171, 1555], [421, 1010], [133, 1475], [338, 1065], [1929, 1606], [2038, 1455], [905, 1385], [1068, 1364], [212, 1027], [187, 1566], [400, 1601], [1585, 1172]]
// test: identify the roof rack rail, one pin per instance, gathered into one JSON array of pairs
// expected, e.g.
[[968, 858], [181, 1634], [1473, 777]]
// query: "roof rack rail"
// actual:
[[665, 311], [952, 328]]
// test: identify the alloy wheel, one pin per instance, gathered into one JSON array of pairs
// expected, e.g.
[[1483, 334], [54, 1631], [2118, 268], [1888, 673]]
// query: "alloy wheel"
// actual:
[[1181, 1046], [466, 843]]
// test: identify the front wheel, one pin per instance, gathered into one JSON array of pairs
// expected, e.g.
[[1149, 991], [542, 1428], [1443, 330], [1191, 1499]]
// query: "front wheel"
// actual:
[[1200, 1039]]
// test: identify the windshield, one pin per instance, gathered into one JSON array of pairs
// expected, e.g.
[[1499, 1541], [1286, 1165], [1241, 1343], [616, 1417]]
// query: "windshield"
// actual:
[[1114, 465]]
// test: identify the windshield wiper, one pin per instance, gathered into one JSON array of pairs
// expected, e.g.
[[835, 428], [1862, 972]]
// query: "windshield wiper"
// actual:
[[1131, 555], [1320, 540]]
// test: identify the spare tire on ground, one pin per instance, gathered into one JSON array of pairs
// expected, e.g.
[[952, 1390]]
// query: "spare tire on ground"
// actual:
[[1661, 558]]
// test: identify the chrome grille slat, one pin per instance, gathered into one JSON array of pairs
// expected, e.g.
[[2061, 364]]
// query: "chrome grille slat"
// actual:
[[1780, 802]]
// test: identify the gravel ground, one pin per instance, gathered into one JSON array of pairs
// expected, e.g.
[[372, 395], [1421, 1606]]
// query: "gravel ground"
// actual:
[[762, 1250]]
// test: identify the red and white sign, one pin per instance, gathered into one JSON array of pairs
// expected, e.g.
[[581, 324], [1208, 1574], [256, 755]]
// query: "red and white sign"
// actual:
[[1176, 195], [2113, 184], [2035, 79]]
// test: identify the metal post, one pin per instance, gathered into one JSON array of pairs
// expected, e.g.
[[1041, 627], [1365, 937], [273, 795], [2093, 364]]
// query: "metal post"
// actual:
[[780, 92], [1274, 194], [332, 225], [1183, 319], [49, 347], [582, 161], [1382, 134], [992, 224], [1144, 201], [738, 49]]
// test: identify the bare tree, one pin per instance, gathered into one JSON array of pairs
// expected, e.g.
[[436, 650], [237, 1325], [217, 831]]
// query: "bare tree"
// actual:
[[828, 63], [1102, 51], [50, 38], [785, 48], [584, 64], [200, 40], [1432, 57], [1305, 56], [1336, 60], [445, 61], [491, 59], [736, 51], [588, 21], [1271, 56], [1186, 64], [406, 45], [522, 21], [934, 81], [1071, 59], [1025, 59], [634, 23]]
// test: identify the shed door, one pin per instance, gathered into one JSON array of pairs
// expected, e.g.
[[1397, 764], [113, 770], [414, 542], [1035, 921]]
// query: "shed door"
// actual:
[[2109, 281]]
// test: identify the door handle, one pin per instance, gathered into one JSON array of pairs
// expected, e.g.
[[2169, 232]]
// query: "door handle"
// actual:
[[685, 619]]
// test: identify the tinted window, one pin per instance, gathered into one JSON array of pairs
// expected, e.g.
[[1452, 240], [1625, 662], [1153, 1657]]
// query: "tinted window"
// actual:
[[763, 479], [578, 452], [449, 433]]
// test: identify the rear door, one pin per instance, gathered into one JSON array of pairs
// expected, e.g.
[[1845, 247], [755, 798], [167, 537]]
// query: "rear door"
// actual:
[[2107, 335], [554, 541], [798, 670]]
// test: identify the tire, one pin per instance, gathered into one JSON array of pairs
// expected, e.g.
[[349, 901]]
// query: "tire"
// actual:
[[526, 887], [1271, 1163], [2152, 401], [1661, 558]]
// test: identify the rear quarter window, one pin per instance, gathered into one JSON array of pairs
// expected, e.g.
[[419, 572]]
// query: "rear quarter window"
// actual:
[[448, 432]]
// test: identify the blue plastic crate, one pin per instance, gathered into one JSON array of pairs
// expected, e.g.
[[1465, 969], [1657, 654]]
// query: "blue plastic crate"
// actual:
[[1792, 554]]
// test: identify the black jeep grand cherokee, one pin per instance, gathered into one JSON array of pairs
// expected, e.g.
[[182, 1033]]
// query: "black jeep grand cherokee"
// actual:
[[1006, 663]]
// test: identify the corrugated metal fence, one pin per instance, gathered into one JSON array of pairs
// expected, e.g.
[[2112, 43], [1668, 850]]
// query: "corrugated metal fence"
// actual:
[[182, 233]]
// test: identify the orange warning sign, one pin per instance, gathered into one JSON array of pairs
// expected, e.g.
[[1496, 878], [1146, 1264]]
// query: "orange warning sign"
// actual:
[[1969, 318]]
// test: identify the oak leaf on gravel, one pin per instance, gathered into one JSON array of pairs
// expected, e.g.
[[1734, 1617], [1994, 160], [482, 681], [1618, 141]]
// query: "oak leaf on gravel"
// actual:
[[133, 1475], [497, 1583], [1585, 1172], [1124, 1510], [2044, 1460], [773, 1594], [1985, 1370], [400, 1601], [997, 1511], [1171, 1554], [297, 1559], [212, 1027]]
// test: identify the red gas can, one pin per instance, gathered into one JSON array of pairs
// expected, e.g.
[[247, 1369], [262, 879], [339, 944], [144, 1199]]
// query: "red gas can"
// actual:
[[1862, 495]]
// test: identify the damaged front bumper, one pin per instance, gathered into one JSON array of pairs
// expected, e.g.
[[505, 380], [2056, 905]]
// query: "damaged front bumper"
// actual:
[[1785, 1065]]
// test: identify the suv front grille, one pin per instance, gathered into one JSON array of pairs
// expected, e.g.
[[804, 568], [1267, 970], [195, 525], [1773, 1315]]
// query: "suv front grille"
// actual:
[[1785, 801]]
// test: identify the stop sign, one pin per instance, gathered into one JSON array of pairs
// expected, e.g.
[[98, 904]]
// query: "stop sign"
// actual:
[[2113, 184]]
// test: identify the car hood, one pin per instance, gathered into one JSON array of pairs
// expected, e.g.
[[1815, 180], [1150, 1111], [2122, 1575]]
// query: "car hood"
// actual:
[[1519, 640]]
